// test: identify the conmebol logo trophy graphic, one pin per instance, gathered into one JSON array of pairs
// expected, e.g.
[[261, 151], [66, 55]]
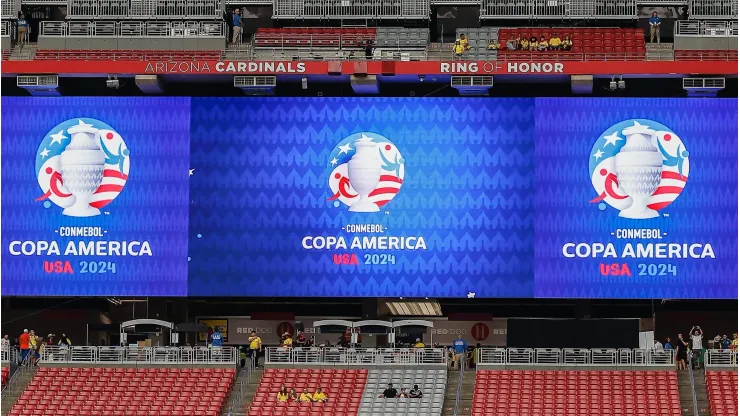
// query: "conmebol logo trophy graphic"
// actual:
[[638, 167], [81, 165], [366, 172]]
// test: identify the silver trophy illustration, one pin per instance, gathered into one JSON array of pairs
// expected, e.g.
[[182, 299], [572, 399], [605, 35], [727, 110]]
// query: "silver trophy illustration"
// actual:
[[364, 170], [639, 167], [82, 164]]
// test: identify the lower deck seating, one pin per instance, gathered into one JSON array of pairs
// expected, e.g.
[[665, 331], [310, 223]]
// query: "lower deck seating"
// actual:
[[575, 393], [343, 388], [312, 37], [710, 55], [722, 390], [122, 55], [126, 392], [585, 40], [431, 382], [5, 374]]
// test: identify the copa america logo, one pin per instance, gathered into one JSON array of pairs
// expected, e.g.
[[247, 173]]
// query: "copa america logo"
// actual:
[[82, 165], [366, 172], [639, 167]]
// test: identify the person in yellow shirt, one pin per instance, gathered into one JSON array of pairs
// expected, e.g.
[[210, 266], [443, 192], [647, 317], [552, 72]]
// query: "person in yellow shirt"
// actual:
[[543, 44], [464, 41], [255, 347], [524, 44], [733, 344], [493, 45], [287, 340], [319, 396], [458, 48], [419, 344], [306, 396], [555, 42], [283, 395]]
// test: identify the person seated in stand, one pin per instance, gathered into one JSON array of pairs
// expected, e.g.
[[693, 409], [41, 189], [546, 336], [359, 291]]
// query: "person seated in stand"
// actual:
[[419, 344], [567, 44], [523, 44], [464, 41], [403, 394], [302, 341], [493, 45], [283, 395], [543, 45], [293, 396], [512, 44], [320, 396], [533, 43], [390, 392], [305, 396], [287, 341], [555, 42], [415, 393], [459, 49]]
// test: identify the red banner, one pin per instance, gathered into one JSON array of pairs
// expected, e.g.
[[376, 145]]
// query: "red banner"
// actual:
[[79, 67]]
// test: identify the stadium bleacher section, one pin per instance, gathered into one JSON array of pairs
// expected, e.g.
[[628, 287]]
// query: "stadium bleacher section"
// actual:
[[722, 390], [432, 383]]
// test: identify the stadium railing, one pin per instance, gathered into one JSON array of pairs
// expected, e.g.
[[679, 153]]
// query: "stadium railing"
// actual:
[[145, 9], [575, 357], [704, 28], [714, 9], [720, 358], [337, 9], [357, 356], [139, 355], [543, 10], [134, 29]]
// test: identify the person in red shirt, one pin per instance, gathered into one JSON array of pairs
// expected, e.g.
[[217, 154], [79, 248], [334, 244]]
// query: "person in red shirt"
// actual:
[[24, 341]]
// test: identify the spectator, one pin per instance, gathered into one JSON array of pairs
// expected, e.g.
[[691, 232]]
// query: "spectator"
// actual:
[[24, 340], [293, 396], [696, 343], [287, 341], [512, 44], [319, 396], [543, 45], [403, 394], [5, 342], [460, 347], [464, 41], [305, 396], [326, 344], [50, 339], [533, 43], [493, 45], [301, 340], [523, 44], [419, 344], [33, 343], [22, 29], [217, 340], [668, 345], [237, 20], [242, 356], [654, 27], [282, 395], [555, 42], [390, 392], [716, 343], [567, 44], [657, 345], [459, 49], [64, 341], [415, 393], [369, 49], [255, 347], [682, 354], [725, 342], [733, 344]]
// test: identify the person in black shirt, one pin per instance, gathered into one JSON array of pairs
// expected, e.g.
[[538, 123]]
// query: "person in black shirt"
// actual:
[[415, 393], [390, 392], [369, 49], [682, 352]]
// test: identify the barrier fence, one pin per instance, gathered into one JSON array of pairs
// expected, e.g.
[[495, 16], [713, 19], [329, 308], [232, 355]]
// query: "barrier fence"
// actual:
[[145, 9], [134, 29], [720, 358], [142, 355], [343, 9], [575, 357], [555, 9], [356, 356], [705, 28], [713, 9]]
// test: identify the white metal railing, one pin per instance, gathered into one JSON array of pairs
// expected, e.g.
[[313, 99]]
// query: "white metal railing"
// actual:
[[145, 9], [705, 28], [720, 358], [575, 356], [135, 29], [5, 28], [356, 356], [343, 9], [9, 9], [713, 9], [131, 355], [558, 9]]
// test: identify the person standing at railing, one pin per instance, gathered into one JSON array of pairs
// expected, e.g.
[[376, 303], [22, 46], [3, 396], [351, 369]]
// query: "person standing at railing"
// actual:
[[255, 348], [733, 344], [237, 29], [217, 340], [460, 348], [682, 353], [22, 24], [654, 27], [697, 335], [33, 342], [24, 340]]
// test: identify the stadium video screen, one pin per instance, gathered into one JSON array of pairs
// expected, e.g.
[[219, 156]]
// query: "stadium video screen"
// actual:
[[433, 197]]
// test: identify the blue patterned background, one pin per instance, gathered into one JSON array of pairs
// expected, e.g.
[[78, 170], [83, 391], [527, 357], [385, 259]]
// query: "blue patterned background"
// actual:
[[260, 185], [706, 211], [153, 205]]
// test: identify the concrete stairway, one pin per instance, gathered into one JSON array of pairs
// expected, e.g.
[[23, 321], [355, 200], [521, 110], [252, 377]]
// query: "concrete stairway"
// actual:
[[241, 403], [17, 386], [26, 53], [686, 395], [466, 394], [659, 52], [702, 396]]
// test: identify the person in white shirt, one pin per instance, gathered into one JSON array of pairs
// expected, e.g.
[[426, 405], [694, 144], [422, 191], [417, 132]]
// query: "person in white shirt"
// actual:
[[658, 345], [696, 344]]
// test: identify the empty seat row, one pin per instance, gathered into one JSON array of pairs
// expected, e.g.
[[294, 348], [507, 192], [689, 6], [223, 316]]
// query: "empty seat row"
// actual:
[[313, 37], [705, 55], [722, 391], [132, 55]]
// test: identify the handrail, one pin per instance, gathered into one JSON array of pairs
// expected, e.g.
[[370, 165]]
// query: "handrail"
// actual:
[[134, 355], [191, 29], [243, 379], [575, 357], [356, 356], [459, 385], [720, 358], [693, 386]]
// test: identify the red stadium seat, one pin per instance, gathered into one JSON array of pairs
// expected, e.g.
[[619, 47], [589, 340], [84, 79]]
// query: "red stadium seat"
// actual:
[[722, 391]]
